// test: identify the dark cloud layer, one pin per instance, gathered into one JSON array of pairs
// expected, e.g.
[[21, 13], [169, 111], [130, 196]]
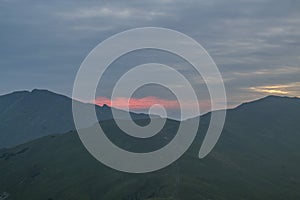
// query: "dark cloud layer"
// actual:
[[255, 43]]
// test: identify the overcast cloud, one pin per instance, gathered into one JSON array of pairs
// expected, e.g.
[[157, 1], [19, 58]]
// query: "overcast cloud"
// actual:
[[255, 44]]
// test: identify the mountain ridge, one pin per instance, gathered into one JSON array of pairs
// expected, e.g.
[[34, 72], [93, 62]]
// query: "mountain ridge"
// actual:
[[27, 115], [256, 158]]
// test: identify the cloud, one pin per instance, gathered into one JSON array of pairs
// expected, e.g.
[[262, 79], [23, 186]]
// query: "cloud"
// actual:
[[254, 43], [97, 12], [291, 89], [270, 72], [143, 104], [110, 12], [137, 103]]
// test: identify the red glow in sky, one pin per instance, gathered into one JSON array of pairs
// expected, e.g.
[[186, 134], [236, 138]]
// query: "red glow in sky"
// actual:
[[137, 103]]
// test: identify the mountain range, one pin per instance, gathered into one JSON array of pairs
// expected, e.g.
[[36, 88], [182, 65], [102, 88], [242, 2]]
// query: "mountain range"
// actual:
[[26, 115], [256, 157]]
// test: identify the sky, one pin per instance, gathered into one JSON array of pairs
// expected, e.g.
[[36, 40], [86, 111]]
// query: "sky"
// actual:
[[255, 43]]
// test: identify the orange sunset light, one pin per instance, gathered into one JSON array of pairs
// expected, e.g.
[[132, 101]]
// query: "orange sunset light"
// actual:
[[137, 103]]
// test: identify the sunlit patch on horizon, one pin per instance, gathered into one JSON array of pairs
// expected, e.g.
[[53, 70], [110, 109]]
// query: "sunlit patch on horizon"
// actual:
[[137, 103], [145, 103], [291, 89]]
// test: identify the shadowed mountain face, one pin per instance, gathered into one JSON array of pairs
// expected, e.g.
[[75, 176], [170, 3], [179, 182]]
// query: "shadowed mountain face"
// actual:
[[257, 157], [25, 116]]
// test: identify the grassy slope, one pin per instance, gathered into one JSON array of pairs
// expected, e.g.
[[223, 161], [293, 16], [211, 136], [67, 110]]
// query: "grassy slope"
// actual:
[[257, 157], [25, 116]]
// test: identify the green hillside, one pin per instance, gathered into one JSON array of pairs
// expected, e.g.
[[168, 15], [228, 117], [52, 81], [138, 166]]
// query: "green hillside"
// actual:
[[257, 157], [25, 115]]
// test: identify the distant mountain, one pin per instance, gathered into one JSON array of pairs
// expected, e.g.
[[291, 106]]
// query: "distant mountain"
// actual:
[[25, 115], [256, 158]]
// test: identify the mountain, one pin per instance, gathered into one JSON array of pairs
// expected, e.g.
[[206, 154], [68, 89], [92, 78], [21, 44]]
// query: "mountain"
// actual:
[[257, 157], [25, 115]]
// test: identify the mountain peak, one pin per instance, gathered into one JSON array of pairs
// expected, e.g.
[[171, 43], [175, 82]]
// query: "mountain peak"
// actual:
[[278, 97], [41, 91], [275, 103], [105, 106]]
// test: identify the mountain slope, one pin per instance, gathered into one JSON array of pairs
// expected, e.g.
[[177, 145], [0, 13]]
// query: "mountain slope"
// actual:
[[25, 116], [257, 157]]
